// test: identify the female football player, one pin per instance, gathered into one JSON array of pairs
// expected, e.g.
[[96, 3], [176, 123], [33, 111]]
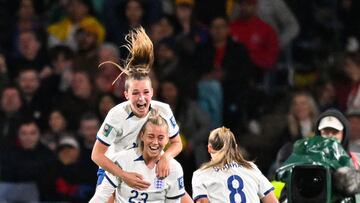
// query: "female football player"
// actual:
[[228, 177], [153, 138]]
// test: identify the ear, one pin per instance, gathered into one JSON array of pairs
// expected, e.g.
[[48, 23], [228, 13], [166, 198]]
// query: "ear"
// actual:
[[210, 149], [141, 136], [126, 94]]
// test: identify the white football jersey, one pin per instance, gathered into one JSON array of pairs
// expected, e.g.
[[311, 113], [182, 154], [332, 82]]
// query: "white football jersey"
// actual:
[[171, 188], [121, 127], [231, 184]]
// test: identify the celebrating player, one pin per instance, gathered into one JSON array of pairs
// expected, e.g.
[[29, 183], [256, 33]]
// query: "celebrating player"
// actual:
[[228, 177], [123, 122], [153, 137]]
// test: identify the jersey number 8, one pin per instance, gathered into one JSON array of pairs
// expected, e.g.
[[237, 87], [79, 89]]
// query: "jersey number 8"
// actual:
[[236, 190]]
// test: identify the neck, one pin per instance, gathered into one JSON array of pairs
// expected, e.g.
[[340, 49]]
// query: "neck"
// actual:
[[150, 162]]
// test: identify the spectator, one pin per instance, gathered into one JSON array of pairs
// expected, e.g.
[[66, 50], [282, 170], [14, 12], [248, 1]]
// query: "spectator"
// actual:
[[89, 36], [61, 60], [106, 102], [57, 129], [191, 33], [227, 62], [31, 156], [64, 31], [11, 114], [69, 186], [277, 14], [107, 74], [121, 16], [82, 97], [300, 124], [89, 125], [36, 102], [325, 94], [31, 54], [27, 19], [259, 38], [167, 61]]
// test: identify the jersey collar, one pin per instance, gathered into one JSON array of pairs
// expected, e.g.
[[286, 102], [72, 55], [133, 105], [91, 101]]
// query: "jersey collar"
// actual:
[[131, 114]]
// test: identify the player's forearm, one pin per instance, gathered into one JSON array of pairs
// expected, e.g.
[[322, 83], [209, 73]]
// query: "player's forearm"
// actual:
[[108, 165], [98, 156], [174, 148]]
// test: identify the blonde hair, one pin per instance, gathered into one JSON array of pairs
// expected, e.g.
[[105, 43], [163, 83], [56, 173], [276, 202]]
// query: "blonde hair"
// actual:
[[223, 141], [293, 121], [154, 118], [140, 59]]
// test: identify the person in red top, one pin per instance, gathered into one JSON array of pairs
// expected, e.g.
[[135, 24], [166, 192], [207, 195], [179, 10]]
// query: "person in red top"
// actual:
[[260, 38]]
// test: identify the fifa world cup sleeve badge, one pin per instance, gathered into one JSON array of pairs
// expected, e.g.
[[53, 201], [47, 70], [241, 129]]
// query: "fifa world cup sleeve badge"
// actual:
[[107, 130]]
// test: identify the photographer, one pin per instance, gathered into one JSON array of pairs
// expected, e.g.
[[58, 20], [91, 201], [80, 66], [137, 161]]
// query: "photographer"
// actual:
[[332, 123]]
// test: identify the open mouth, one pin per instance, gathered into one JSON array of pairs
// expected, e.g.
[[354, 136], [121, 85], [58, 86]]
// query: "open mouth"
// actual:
[[141, 106], [154, 149]]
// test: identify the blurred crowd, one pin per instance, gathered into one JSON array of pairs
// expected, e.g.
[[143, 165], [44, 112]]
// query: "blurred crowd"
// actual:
[[263, 68]]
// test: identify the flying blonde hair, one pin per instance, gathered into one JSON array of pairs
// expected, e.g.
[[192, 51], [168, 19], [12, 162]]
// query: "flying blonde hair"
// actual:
[[222, 140], [141, 56]]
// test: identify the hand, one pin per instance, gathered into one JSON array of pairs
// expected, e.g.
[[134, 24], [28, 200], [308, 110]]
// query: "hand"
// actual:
[[135, 180], [163, 167], [347, 180]]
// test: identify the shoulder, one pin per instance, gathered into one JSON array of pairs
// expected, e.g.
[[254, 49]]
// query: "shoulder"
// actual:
[[200, 172], [161, 106], [125, 155], [175, 165], [121, 110]]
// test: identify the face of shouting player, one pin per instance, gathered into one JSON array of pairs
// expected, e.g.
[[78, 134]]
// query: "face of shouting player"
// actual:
[[139, 94], [154, 138]]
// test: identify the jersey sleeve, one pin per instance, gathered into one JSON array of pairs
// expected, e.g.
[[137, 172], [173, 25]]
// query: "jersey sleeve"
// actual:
[[265, 187], [108, 131], [168, 115], [198, 189], [176, 182], [103, 192]]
